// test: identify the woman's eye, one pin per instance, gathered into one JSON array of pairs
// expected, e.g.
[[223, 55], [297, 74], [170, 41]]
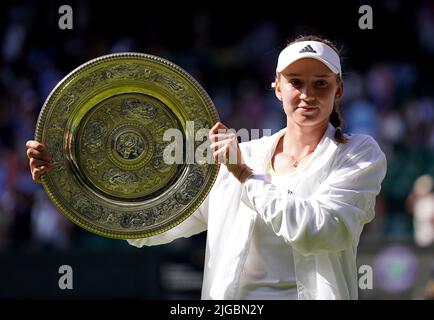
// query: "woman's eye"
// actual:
[[321, 83], [295, 82]]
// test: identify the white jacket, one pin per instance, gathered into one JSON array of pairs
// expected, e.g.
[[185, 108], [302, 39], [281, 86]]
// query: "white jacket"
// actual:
[[322, 219]]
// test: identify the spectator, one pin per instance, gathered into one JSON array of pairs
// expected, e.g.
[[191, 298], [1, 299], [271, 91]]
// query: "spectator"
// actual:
[[421, 203]]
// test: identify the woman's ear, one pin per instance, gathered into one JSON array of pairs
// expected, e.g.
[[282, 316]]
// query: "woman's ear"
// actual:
[[278, 89], [339, 91]]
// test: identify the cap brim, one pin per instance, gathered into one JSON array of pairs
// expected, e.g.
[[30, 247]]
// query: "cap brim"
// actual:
[[311, 56]]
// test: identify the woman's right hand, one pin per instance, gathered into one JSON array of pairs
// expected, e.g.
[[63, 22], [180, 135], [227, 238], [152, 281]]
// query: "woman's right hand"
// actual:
[[39, 160]]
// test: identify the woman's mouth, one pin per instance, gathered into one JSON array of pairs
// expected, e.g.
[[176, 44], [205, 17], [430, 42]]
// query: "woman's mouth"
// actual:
[[306, 108]]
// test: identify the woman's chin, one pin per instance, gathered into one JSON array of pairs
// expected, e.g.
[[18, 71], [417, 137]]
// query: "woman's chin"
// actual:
[[307, 121]]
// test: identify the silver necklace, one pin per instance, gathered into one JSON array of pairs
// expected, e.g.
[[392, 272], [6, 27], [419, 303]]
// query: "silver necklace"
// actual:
[[295, 162]]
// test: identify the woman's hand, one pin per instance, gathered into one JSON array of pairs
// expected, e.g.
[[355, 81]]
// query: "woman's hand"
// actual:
[[227, 151], [39, 160]]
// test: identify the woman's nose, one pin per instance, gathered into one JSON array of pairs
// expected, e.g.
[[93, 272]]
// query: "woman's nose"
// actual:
[[305, 95]]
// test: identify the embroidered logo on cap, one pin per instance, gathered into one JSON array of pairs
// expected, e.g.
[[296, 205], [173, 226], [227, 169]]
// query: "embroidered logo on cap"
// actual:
[[308, 48]]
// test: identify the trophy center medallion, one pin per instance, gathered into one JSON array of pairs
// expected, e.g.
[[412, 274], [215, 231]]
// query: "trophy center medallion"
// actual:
[[130, 145]]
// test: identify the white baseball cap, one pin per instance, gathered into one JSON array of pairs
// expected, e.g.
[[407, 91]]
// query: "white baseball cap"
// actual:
[[309, 49]]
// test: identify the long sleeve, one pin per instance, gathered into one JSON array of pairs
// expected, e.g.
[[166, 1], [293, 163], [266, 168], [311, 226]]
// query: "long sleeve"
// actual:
[[332, 218], [194, 224]]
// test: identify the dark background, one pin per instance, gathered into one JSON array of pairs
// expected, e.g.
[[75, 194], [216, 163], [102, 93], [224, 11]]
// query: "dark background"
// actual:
[[231, 48]]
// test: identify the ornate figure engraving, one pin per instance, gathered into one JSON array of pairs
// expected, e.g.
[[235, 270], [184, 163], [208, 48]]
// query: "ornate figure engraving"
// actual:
[[129, 145], [88, 208], [191, 187], [116, 176], [93, 136], [135, 107], [137, 219]]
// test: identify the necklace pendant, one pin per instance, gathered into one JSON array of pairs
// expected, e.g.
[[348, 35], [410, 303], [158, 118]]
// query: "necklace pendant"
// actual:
[[295, 164]]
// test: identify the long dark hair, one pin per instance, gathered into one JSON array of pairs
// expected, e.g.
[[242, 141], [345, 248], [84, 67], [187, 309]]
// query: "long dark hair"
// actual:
[[336, 118]]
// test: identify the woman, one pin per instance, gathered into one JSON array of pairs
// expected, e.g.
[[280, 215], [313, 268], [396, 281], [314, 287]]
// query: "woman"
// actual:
[[284, 219]]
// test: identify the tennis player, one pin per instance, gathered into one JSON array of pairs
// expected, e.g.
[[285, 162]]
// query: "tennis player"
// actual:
[[284, 219]]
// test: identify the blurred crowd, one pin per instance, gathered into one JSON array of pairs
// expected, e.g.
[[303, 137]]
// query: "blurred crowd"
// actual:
[[388, 97]]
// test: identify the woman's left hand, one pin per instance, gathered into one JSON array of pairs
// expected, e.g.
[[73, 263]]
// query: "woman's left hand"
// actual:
[[224, 143]]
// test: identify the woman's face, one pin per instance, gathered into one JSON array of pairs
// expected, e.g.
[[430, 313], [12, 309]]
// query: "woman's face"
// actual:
[[308, 90]]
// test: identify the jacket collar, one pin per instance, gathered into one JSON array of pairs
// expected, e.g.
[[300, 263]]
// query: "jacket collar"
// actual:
[[323, 152]]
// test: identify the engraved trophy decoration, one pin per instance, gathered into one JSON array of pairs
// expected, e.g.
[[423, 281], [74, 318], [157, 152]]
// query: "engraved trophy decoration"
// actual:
[[104, 125]]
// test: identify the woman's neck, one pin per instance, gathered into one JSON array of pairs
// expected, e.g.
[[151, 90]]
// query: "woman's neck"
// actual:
[[300, 141]]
